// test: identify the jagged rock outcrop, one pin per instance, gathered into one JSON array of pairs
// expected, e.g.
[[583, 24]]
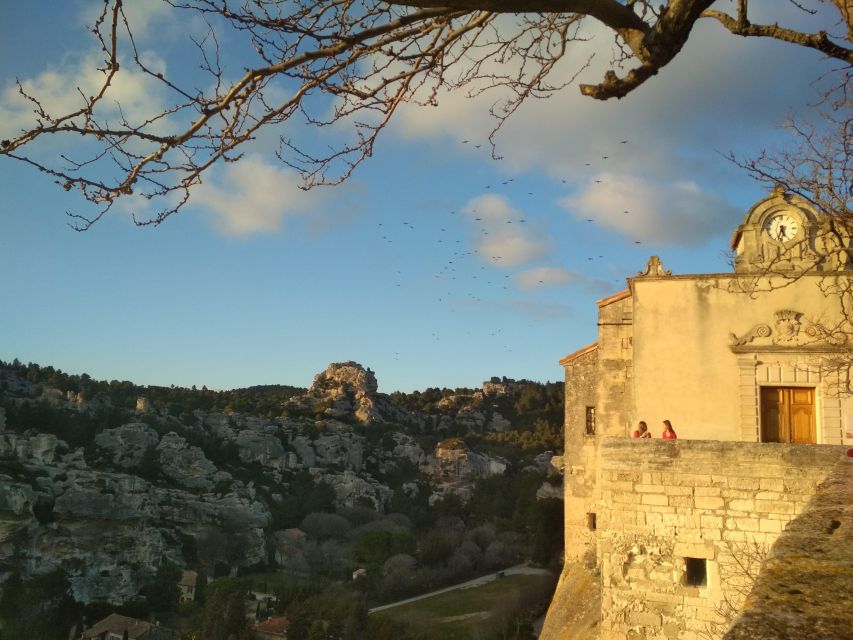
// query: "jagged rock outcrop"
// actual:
[[453, 468], [454, 462], [348, 391], [352, 490], [338, 446], [40, 448], [263, 447], [498, 423], [406, 448], [109, 531], [187, 465], [128, 443]]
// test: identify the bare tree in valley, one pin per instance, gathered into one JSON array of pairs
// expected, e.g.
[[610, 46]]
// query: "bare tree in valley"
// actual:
[[363, 58]]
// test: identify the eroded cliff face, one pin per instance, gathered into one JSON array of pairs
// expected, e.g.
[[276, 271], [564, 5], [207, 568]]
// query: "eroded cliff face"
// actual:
[[202, 490], [109, 529]]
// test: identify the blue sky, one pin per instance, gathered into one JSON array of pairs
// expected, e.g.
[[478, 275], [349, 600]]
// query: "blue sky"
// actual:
[[260, 283]]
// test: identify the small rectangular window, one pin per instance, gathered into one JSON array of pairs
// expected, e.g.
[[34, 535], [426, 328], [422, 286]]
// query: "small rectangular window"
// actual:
[[695, 572], [590, 421], [590, 521]]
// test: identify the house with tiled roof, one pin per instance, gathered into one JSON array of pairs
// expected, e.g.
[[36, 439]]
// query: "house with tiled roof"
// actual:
[[119, 627]]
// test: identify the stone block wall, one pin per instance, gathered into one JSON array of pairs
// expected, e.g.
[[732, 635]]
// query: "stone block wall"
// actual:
[[683, 527], [579, 470]]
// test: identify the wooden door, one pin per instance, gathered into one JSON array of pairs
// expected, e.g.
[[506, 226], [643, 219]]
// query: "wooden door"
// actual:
[[788, 415]]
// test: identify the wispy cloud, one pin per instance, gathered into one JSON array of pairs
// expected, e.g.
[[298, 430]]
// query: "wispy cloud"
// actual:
[[720, 94], [646, 210], [542, 277], [504, 236], [252, 196]]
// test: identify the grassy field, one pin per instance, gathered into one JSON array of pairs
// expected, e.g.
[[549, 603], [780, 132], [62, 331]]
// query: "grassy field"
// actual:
[[478, 613]]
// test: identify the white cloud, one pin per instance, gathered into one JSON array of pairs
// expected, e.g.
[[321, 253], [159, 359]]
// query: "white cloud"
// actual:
[[146, 18], [61, 89], [504, 237], [655, 211], [721, 93], [251, 196]]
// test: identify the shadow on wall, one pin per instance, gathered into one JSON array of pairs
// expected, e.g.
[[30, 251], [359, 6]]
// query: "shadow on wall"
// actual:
[[805, 589]]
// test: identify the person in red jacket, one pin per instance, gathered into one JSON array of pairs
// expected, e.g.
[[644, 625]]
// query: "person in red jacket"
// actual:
[[643, 431], [668, 431]]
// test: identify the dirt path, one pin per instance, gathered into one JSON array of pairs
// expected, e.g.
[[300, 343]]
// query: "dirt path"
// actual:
[[476, 582]]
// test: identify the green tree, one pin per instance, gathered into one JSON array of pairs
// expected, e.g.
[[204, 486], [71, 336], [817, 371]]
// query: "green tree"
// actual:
[[224, 613], [40, 608], [163, 592], [546, 529], [375, 547]]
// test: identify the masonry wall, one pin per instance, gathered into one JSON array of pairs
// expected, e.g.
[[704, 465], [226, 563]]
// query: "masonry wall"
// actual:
[[579, 468], [688, 369], [719, 504]]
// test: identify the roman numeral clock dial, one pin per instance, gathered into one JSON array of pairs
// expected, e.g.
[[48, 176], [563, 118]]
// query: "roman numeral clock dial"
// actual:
[[782, 227]]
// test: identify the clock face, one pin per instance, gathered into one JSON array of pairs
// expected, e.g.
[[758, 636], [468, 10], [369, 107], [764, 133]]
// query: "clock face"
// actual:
[[782, 227]]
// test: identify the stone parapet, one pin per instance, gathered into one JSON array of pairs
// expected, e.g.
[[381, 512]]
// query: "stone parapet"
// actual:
[[683, 527]]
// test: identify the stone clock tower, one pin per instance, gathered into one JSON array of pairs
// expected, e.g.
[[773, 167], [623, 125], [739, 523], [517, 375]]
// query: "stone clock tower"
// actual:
[[782, 234], [752, 368]]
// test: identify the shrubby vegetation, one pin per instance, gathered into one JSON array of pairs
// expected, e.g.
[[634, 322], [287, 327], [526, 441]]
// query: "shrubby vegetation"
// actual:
[[413, 548]]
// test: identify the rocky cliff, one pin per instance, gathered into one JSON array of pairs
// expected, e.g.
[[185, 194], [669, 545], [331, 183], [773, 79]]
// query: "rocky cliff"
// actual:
[[106, 493]]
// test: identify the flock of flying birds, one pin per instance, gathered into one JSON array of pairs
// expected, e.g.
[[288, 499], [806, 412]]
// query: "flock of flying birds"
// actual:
[[462, 268]]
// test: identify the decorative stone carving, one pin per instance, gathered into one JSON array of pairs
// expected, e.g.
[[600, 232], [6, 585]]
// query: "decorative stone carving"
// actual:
[[654, 268], [787, 326], [790, 329], [758, 331]]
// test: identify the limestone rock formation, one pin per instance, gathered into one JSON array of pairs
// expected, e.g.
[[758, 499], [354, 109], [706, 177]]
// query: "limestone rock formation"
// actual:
[[187, 465], [348, 391], [263, 447], [128, 443], [352, 490], [211, 491]]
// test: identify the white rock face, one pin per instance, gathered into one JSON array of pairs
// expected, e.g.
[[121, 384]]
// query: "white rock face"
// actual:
[[349, 388], [263, 447], [453, 462], [352, 490], [499, 424], [187, 465], [338, 446], [128, 443], [408, 449], [305, 450], [219, 424], [348, 391]]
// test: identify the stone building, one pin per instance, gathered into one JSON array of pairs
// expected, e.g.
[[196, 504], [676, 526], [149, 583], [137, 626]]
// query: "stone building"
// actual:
[[187, 584], [752, 369], [118, 627]]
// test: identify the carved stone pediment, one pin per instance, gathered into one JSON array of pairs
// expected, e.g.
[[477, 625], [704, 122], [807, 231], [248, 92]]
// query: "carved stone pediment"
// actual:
[[654, 267], [789, 329]]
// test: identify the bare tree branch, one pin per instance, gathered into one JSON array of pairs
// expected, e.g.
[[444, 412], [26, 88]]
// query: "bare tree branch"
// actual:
[[324, 62]]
